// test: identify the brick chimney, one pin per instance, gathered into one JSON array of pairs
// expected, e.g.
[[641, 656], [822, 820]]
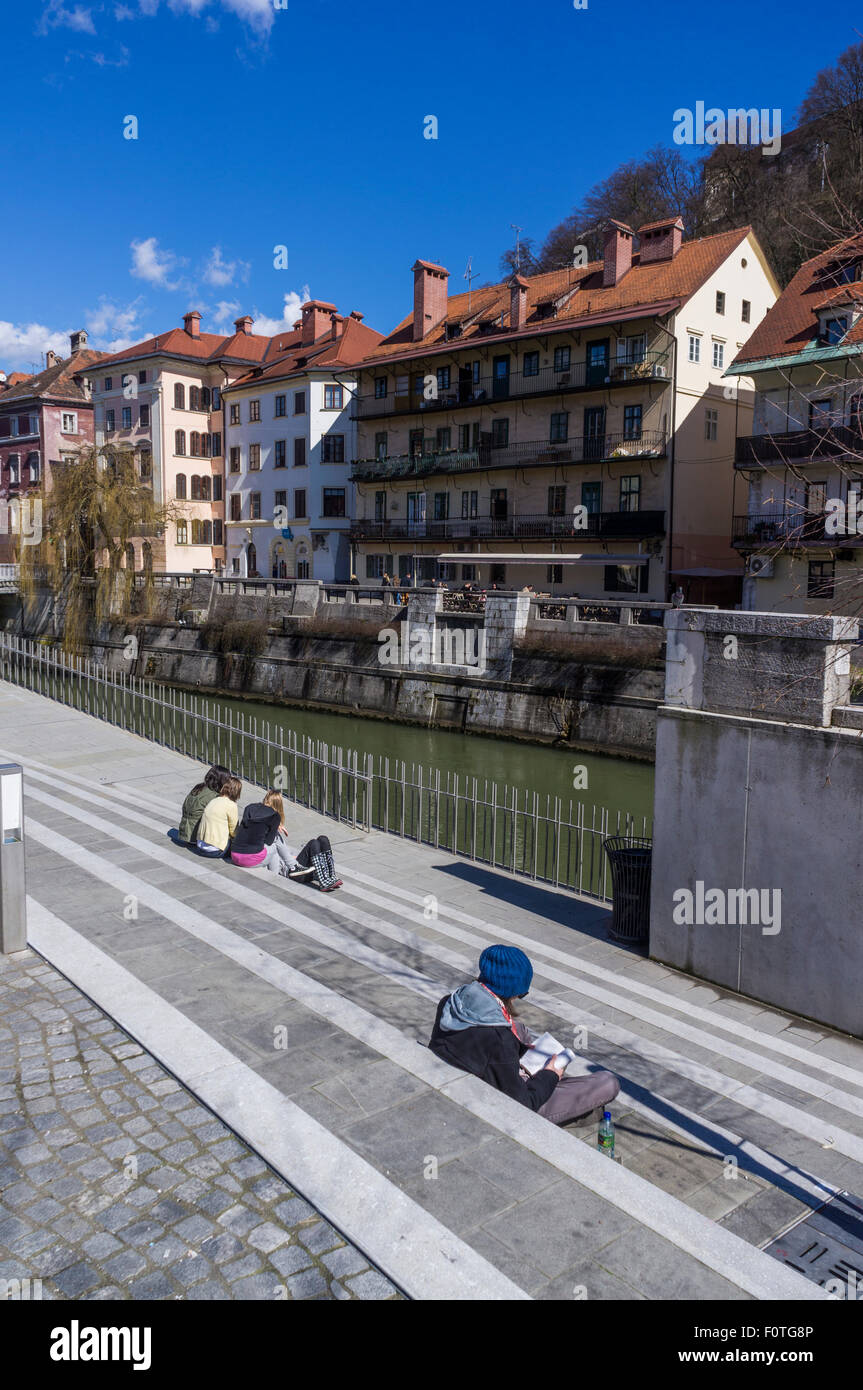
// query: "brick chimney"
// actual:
[[192, 323], [243, 325], [335, 326], [317, 317], [50, 358], [78, 341], [518, 302], [356, 315], [430, 297], [660, 241], [616, 253]]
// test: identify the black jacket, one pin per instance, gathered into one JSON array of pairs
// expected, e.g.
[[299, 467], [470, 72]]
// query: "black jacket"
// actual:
[[493, 1055], [257, 829]]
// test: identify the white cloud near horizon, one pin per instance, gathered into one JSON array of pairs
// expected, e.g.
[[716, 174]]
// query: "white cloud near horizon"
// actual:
[[110, 328], [291, 311]]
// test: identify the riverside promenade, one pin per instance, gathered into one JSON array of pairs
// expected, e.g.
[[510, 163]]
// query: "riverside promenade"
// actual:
[[300, 1020]]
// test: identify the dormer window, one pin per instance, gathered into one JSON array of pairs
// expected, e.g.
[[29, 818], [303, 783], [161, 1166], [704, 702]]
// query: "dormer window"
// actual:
[[834, 328]]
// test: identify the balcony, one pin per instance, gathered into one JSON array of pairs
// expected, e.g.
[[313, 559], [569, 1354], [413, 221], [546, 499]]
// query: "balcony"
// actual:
[[547, 381], [797, 446], [783, 529], [539, 454], [521, 526]]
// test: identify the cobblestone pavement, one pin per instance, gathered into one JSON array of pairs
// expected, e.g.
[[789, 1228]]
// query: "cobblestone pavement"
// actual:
[[116, 1183]]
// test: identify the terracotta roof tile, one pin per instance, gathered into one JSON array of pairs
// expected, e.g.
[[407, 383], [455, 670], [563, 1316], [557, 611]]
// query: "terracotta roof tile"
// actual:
[[353, 344], [792, 324], [57, 382]]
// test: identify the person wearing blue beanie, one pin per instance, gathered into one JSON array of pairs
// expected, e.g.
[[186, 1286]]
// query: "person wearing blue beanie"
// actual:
[[475, 1029]]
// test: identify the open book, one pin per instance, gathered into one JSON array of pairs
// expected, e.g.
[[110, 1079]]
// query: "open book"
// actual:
[[542, 1051]]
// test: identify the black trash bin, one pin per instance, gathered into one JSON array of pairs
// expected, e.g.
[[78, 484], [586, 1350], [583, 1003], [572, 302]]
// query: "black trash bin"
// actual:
[[630, 859]]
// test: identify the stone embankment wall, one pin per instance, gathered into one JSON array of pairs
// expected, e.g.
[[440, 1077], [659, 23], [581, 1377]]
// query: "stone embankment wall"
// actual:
[[556, 671]]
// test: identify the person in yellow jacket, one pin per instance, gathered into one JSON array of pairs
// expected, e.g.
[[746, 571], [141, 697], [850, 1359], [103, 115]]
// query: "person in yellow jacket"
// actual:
[[219, 819]]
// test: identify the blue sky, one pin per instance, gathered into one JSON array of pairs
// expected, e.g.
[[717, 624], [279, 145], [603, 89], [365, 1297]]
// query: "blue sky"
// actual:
[[303, 126]]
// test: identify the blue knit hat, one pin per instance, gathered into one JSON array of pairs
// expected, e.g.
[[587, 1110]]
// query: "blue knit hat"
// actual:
[[506, 971]]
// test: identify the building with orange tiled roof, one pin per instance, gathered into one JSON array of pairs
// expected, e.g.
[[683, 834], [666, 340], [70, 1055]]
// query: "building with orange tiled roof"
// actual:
[[290, 437], [580, 412], [162, 399], [799, 516]]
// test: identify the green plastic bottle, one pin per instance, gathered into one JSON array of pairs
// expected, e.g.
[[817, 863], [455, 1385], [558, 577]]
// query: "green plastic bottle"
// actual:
[[605, 1141]]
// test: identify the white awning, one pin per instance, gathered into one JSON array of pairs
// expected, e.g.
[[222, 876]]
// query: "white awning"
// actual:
[[473, 557]]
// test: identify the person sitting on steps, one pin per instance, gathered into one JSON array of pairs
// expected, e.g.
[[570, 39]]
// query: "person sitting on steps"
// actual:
[[476, 1030], [261, 838], [219, 821], [197, 800]]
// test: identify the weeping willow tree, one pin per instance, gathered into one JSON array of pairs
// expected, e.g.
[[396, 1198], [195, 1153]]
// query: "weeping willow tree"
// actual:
[[92, 509]]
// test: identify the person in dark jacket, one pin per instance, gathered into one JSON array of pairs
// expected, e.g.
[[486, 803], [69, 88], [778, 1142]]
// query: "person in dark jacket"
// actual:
[[475, 1030], [260, 838], [199, 797]]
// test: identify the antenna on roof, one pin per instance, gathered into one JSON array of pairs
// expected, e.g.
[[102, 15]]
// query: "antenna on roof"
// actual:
[[518, 231], [469, 275]]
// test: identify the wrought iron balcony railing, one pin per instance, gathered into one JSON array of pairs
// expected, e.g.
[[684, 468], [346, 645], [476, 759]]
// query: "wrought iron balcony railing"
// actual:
[[797, 527], [798, 445], [593, 449], [520, 526], [579, 376]]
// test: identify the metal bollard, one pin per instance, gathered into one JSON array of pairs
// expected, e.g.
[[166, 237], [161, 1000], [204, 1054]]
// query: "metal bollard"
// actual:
[[13, 893]]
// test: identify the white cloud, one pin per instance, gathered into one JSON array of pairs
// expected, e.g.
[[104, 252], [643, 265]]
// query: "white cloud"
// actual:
[[109, 317], [22, 345], [219, 272], [122, 12], [226, 311], [258, 14], [56, 16], [110, 328], [291, 312], [151, 264]]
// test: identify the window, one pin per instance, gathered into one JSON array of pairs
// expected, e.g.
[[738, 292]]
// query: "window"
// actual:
[[179, 396], [109, 420], [217, 402], [195, 487], [182, 533], [441, 506], [254, 506], [468, 572], [334, 501], [630, 494], [835, 330], [217, 487], [821, 579], [206, 488], [631, 349], [446, 571], [109, 382], [694, 348], [499, 433], [146, 465], [333, 397], [559, 426], [14, 470], [142, 378], [554, 574], [300, 503], [711, 425], [591, 498], [180, 486], [381, 445], [194, 398], [443, 378], [206, 445], [718, 354], [497, 574], [235, 413], [374, 566], [179, 441], [443, 439], [632, 422], [205, 398], [218, 532], [720, 302], [299, 453], [234, 459], [556, 500], [820, 414], [299, 402], [145, 417], [380, 387], [469, 505], [280, 459], [531, 364], [254, 458], [236, 505], [280, 499], [254, 411], [69, 422], [498, 503], [126, 417], [195, 444], [746, 311], [626, 579], [562, 356], [380, 506], [333, 448], [281, 408], [216, 439]]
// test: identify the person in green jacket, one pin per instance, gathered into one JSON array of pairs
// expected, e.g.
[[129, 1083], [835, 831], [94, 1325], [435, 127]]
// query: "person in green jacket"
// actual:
[[198, 798]]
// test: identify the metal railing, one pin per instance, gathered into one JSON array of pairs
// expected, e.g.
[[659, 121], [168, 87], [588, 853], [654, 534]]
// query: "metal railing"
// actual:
[[544, 838], [796, 445], [520, 525], [787, 528], [578, 376], [583, 449]]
